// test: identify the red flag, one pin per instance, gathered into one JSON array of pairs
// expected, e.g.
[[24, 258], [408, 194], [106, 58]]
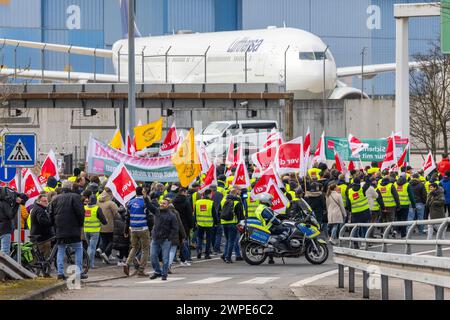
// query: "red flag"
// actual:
[[289, 156], [356, 146], [319, 155], [306, 154], [261, 185], [389, 157], [31, 187], [209, 179], [241, 178], [122, 184], [279, 201], [401, 160], [340, 165], [429, 164], [351, 166], [230, 154], [170, 144], [128, 144], [49, 167], [274, 139], [265, 158]]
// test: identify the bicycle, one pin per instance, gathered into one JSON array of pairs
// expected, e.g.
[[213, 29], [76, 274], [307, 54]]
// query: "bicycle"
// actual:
[[34, 260]]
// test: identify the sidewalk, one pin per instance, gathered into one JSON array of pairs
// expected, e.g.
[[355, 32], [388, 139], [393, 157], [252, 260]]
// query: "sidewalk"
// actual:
[[326, 288]]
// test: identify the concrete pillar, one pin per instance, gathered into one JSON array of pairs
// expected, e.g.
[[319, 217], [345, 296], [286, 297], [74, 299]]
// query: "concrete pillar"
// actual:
[[402, 77]]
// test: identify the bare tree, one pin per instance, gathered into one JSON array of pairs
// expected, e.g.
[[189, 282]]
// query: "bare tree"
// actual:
[[429, 101]]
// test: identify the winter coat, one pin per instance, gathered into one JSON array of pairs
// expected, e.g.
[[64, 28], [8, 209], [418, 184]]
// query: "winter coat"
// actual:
[[436, 204], [317, 202], [184, 208], [335, 208], [109, 209], [445, 183], [119, 241], [8, 210], [443, 166], [419, 191], [67, 214], [41, 224], [166, 225], [177, 240]]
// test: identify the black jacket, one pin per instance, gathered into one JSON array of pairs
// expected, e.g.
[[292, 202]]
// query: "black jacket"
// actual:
[[317, 202], [119, 241], [41, 224], [239, 208], [178, 239], [419, 191], [166, 225], [8, 210], [67, 215], [184, 208]]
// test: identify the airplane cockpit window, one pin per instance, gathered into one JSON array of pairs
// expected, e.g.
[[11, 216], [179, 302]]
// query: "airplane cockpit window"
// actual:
[[319, 55], [316, 55], [306, 56]]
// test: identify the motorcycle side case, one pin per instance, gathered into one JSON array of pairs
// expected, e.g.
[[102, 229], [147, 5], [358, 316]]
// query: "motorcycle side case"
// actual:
[[311, 231]]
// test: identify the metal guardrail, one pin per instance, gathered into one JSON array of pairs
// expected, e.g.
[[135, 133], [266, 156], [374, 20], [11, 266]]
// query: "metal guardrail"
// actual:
[[434, 271]]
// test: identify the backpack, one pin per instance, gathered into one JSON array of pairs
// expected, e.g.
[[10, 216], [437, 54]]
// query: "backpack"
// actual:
[[227, 212]]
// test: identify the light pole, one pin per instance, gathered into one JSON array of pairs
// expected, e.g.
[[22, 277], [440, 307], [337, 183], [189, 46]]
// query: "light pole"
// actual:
[[131, 69], [324, 78], [363, 52]]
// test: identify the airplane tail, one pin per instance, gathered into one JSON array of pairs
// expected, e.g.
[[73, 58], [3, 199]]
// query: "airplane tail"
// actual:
[[124, 18]]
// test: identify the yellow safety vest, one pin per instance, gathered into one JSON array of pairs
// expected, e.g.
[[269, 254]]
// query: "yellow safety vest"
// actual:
[[422, 178], [72, 178], [203, 213], [376, 205], [373, 170], [386, 194], [251, 207], [259, 216], [194, 199], [287, 186], [403, 194], [229, 182], [342, 188], [91, 222], [314, 172], [49, 189], [358, 200], [221, 190], [234, 221], [29, 221]]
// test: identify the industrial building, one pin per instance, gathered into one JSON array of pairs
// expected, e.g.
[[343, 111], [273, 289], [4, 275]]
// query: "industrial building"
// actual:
[[349, 27]]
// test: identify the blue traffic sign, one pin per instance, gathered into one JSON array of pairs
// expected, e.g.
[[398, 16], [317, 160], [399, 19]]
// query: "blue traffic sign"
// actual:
[[19, 150], [7, 174]]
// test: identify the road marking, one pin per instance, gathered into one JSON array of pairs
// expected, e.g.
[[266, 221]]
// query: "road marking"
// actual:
[[158, 280], [211, 280], [260, 280], [306, 281]]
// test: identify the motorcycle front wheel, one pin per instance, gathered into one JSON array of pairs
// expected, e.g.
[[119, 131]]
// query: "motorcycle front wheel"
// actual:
[[318, 256], [253, 253]]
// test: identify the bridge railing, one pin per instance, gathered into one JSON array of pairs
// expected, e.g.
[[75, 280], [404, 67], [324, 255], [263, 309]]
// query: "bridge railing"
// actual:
[[407, 266]]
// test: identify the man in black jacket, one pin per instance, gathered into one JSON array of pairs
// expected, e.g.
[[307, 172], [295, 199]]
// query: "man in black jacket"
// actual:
[[41, 225], [67, 215], [229, 226], [9, 205], [420, 196], [184, 208], [166, 228]]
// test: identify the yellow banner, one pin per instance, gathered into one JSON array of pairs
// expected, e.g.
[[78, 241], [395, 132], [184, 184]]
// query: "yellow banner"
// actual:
[[117, 140], [186, 160], [148, 134]]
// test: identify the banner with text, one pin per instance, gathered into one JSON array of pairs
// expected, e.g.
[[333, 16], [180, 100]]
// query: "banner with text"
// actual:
[[102, 160], [375, 151]]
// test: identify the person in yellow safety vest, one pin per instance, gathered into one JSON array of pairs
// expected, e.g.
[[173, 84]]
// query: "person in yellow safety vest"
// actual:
[[221, 184], [229, 182], [314, 173], [433, 179], [341, 187], [373, 168], [406, 197], [193, 193], [232, 212], [375, 199], [205, 216], [252, 204], [358, 205], [76, 174], [93, 219], [51, 184], [390, 200]]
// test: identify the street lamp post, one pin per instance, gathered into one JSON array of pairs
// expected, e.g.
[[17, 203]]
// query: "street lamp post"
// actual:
[[131, 69]]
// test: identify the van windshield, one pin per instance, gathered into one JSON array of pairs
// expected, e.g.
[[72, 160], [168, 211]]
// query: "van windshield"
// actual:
[[215, 128]]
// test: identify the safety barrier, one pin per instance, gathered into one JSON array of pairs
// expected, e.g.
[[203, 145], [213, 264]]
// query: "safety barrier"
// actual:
[[430, 270], [10, 269]]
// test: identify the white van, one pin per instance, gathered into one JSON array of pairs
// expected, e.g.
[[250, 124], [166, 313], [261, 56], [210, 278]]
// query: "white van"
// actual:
[[252, 134]]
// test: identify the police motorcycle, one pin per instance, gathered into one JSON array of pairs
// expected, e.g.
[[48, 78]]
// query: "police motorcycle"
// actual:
[[301, 236]]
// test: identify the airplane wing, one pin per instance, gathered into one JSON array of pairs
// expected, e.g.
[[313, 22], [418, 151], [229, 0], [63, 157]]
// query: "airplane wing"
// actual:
[[62, 76], [372, 70], [101, 53]]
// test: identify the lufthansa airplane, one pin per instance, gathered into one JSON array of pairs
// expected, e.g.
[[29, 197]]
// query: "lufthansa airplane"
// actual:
[[287, 56]]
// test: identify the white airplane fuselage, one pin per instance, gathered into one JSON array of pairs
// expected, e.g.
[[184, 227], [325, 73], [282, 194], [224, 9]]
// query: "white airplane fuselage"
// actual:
[[268, 51]]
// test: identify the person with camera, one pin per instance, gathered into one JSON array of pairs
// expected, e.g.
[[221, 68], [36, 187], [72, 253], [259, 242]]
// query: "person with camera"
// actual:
[[9, 205]]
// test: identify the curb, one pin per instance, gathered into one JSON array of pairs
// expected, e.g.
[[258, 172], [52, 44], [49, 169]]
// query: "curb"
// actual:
[[41, 294]]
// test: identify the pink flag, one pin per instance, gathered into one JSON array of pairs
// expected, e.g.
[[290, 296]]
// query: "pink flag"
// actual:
[[389, 157], [241, 178], [356, 146], [122, 184], [170, 144], [49, 167], [31, 187], [209, 179], [429, 164], [319, 155], [265, 158], [289, 156], [279, 202]]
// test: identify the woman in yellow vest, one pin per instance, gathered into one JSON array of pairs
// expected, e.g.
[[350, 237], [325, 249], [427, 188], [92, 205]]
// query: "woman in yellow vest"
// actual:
[[358, 206], [93, 219], [406, 198]]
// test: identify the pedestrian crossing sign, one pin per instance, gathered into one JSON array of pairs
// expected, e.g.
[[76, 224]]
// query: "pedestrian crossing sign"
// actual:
[[19, 150]]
